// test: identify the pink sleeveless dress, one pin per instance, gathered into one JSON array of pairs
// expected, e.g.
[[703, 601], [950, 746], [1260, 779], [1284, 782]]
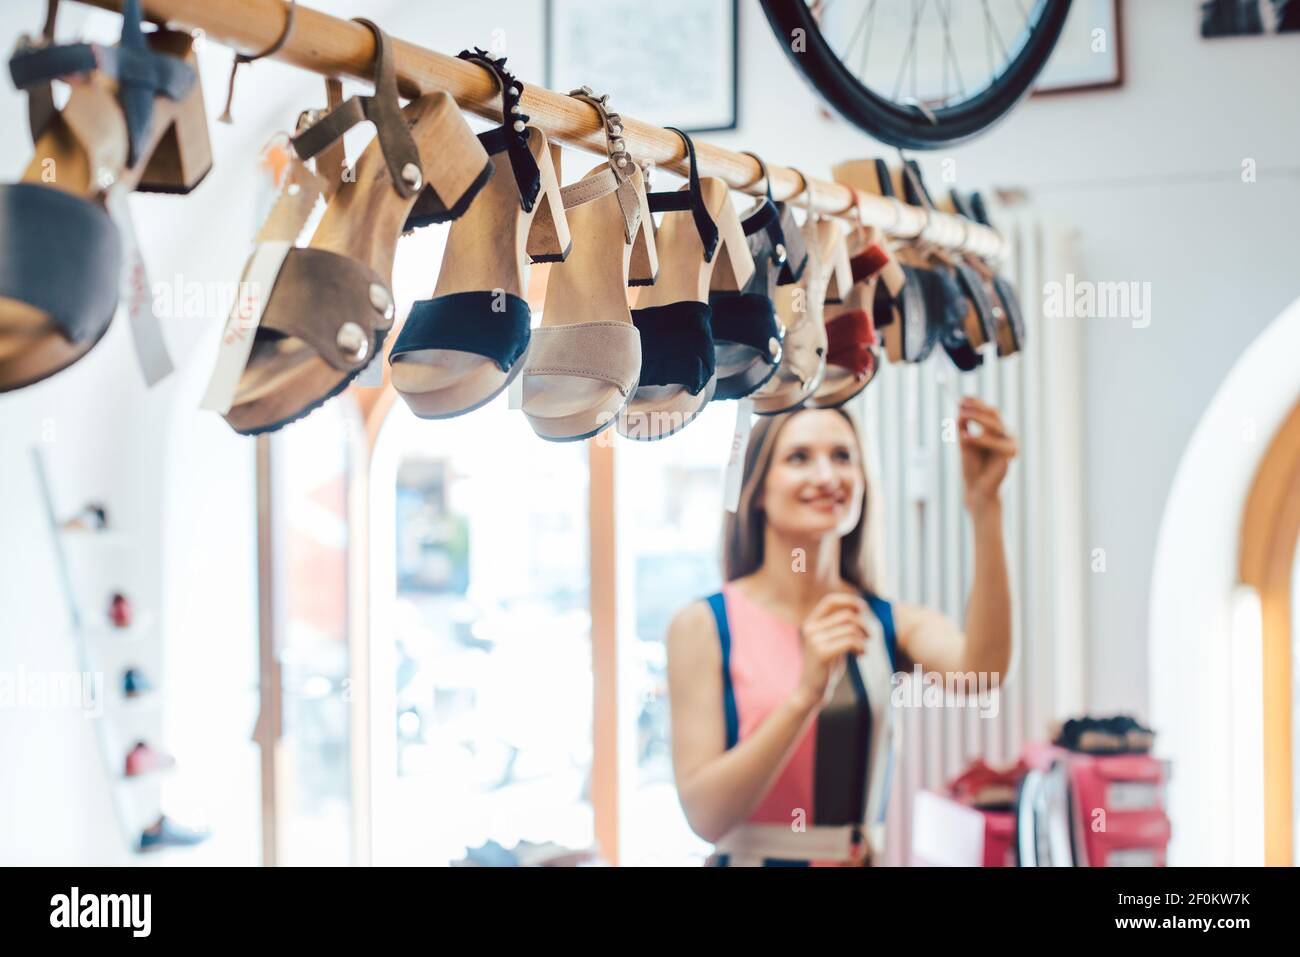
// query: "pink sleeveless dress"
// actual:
[[829, 799]]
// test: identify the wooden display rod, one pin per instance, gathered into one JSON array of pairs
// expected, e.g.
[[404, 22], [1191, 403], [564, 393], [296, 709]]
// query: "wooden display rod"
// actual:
[[332, 46]]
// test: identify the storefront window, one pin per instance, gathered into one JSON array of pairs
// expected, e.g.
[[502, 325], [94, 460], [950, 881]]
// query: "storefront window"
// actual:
[[489, 636], [669, 502]]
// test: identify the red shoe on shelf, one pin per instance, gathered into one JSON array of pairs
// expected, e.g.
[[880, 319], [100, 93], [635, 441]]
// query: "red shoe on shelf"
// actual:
[[119, 611], [143, 759], [983, 787]]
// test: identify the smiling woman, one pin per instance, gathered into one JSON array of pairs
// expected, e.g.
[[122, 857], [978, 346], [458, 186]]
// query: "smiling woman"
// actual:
[[783, 762]]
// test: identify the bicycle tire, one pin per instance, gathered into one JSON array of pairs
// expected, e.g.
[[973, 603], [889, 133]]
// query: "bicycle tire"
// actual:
[[901, 125]]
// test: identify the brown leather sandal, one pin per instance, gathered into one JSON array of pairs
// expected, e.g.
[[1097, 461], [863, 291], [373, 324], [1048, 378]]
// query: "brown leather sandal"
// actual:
[[134, 120], [331, 305]]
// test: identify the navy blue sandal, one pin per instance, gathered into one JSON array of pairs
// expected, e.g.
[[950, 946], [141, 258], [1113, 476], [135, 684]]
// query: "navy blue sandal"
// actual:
[[702, 248], [461, 348], [747, 335]]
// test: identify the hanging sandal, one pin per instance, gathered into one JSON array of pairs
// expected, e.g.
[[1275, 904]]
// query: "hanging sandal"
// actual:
[[747, 335], [461, 348], [1010, 319], [134, 120], [330, 304], [852, 346], [585, 358], [701, 247], [801, 308]]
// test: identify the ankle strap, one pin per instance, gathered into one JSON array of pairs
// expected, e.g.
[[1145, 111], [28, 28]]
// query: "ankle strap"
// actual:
[[141, 73], [678, 200], [511, 137], [767, 217], [617, 176], [384, 109]]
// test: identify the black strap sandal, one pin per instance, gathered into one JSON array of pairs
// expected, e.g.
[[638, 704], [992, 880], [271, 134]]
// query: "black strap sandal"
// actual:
[[707, 251], [747, 334], [463, 346]]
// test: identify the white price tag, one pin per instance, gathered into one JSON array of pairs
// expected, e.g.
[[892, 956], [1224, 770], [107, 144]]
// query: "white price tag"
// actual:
[[137, 295], [241, 327], [736, 461]]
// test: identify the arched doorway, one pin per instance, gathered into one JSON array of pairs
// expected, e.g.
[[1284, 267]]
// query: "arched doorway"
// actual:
[[1220, 630]]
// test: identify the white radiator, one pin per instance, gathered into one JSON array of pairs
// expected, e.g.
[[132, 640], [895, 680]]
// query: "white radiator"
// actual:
[[927, 549]]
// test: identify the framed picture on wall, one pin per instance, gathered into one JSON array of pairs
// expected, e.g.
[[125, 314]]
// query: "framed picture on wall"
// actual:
[[670, 62], [1090, 52], [1241, 18]]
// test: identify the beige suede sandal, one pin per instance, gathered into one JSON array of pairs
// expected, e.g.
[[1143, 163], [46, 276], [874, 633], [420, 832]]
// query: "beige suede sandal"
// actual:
[[585, 357]]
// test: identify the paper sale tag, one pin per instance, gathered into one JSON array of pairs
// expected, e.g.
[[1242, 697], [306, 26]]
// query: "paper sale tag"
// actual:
[[736, 460], [298, 189], [241, 326], [137, 295]]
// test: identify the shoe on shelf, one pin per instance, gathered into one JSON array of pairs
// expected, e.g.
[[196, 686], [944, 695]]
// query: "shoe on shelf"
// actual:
[[135, 684], [93, 517], [989, 789], [143, 759], [120, 613], [165, 833]]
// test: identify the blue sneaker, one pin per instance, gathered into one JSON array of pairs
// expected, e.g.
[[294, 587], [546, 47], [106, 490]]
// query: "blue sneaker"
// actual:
[[134, 683], [167, 833]]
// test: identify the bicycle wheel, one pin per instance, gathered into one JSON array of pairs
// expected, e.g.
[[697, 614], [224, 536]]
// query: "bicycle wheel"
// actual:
[[909, 90]]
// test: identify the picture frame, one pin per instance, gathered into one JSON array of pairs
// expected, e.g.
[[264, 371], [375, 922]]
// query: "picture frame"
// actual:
[[1076, 65], [680, 66]]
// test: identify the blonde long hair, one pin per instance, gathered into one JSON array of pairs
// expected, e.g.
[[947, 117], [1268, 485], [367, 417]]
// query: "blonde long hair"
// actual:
[[743, 530]]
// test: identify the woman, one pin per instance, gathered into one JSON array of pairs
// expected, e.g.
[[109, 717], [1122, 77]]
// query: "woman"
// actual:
[[779, 761]]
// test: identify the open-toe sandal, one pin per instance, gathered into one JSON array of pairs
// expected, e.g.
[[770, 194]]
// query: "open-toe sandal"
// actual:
[[898, 312], [956, 300], [134, 119], [585, 359], [801, 308], [852, 346], [330, 304], [1010, 320], [464, 346], [747, 336], [701, 247]]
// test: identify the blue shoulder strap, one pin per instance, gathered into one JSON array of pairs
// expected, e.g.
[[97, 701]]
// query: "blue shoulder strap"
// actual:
[[718, 605], [885, 612]]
